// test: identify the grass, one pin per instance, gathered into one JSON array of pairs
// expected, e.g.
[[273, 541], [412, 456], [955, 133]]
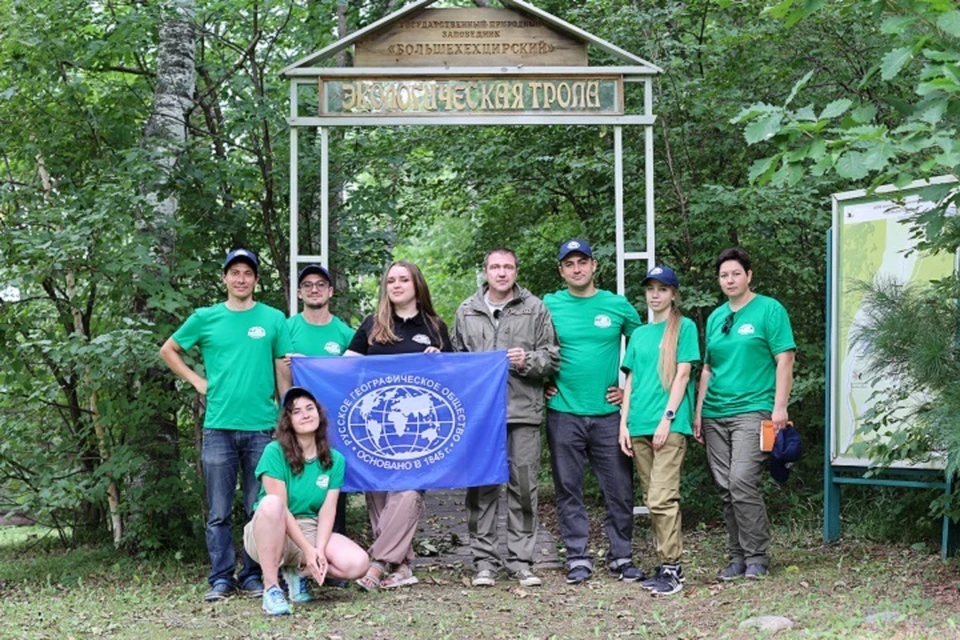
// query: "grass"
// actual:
[[827, 591]]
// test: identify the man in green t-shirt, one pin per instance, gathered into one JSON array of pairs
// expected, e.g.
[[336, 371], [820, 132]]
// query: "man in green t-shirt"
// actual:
[[317, 332], [242, 344], [583, 413]]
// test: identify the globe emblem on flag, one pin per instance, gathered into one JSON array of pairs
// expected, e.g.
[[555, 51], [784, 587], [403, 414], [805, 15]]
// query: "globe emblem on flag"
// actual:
[[401, 422]]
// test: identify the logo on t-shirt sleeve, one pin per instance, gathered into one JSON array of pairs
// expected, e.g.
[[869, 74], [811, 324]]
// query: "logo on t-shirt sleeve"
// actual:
[[602, 321], [256, 333]]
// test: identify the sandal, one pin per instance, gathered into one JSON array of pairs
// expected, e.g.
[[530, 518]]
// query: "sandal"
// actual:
[[401, 577], [372, 581]]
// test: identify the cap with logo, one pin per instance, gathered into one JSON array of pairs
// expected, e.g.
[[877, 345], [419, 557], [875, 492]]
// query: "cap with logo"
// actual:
[[242, 255], [663, 274], [574, 246], [318, 269], [786, 449]]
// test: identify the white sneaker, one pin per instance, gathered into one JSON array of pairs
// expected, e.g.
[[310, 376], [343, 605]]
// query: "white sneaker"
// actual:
[[484, 578], [526, 578]]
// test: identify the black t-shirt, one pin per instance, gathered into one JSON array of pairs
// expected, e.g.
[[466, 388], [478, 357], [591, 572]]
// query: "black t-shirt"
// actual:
[[416, 334]]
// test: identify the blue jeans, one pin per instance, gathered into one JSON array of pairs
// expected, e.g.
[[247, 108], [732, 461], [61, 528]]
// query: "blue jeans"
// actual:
[[224, 452], [573, 439]]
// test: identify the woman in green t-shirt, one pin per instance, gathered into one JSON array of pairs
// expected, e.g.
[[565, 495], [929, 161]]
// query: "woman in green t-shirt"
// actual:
[[292, 525], [746, 379], [657, 414]]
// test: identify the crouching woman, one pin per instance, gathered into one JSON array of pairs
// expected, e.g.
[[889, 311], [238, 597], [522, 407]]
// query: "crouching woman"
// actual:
[[292, 526]]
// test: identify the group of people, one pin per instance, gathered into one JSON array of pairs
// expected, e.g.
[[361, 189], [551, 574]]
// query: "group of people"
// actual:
[[564, 357]]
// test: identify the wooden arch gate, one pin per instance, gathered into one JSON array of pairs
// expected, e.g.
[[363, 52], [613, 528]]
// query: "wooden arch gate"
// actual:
[[516, 65]]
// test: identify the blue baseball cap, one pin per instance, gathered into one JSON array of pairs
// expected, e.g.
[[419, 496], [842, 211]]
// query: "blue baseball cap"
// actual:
[[786, 449], [664, 274], [314, 268], [242, 255], [297, 392], [574, 246]]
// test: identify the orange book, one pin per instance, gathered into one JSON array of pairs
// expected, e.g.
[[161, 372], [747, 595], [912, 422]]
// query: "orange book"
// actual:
[[767, 436]]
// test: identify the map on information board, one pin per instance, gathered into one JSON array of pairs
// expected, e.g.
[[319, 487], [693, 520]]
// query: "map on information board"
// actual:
[[871, 241]]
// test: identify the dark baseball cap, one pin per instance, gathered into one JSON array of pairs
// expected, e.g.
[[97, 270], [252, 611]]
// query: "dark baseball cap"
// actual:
[[314, 268], [242, 255], [786, 449], [574, 246], [664, 274], [297, 392]]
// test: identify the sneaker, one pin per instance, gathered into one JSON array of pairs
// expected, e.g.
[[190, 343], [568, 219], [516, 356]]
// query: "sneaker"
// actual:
[[734, 571], [298, 586], [669, 582], [649, 583], [756, 571], [336, 583], [221, 590], [252, 588], [627, 572], [579, 574], [274, 604], [527, 578], [484, 578]]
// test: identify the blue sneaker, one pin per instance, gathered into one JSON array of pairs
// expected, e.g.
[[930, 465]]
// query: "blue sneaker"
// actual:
[[221, 590], [252, 588], [274, 603], [298, 586], [627, 572]]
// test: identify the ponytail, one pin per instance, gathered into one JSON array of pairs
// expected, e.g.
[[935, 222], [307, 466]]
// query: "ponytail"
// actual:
[[667, 367]]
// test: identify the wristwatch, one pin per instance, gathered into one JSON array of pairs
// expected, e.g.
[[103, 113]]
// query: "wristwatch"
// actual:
[[669, 415]]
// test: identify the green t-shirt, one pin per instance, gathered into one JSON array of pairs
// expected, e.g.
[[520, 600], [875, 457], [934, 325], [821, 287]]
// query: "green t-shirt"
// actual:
[[329, 339], [648, 398], [238, 350], [742, 362], [306, 491], [589, 331]]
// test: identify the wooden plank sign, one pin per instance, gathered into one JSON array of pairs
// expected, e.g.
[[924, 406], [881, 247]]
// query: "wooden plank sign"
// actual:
[[469, 38]]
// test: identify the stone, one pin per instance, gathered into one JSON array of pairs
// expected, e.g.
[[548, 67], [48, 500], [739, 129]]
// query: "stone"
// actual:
[[768, 623], [881, 617]]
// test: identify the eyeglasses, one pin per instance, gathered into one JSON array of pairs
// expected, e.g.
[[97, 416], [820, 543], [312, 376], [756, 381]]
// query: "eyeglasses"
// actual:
[[727, 325], [320, 285]]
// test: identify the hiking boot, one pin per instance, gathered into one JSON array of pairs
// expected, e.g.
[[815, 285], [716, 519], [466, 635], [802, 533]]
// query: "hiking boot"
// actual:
[[298, 586], [669, 582], [756, 571], [627, 572], [579, 574], [649, 583], [221, 590], [484, 578], [734, 571], [274, 603], [527, 578], [252, 588]]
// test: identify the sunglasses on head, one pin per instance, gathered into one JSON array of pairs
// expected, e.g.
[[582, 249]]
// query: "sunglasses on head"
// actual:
[[727, 324]]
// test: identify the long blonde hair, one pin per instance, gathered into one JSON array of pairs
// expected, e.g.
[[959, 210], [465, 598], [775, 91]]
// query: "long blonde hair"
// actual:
[[382, 331], [667, 367]]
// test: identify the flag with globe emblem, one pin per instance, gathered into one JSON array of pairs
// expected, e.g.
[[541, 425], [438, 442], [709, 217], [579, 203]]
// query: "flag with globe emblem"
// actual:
[[414, 421]]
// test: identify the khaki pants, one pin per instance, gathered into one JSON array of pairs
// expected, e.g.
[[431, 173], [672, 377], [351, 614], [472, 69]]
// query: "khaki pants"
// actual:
[[523, 455], [659, 473], [737, 464], [393, 519]]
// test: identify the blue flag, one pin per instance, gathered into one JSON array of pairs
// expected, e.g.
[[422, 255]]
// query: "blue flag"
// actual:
[[414, 421]]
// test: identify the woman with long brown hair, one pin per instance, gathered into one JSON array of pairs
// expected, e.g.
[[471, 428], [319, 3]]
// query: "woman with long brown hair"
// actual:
[[657, 417], [292, 525], [405, 322]]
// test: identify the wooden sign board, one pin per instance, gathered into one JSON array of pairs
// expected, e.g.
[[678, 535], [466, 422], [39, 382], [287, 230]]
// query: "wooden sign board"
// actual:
[[469, 38], [428, 96]]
